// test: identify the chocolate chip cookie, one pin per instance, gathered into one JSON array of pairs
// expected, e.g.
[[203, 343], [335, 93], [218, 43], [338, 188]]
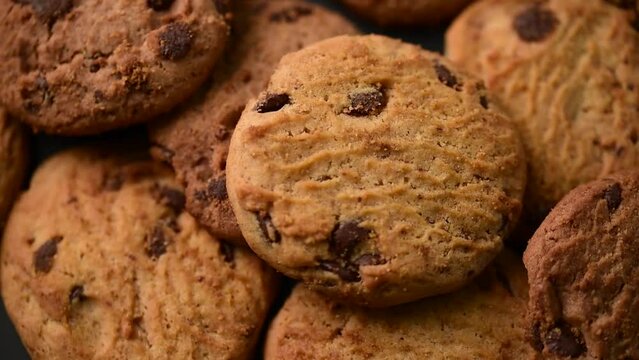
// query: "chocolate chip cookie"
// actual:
[[13, 162], [407, 12], [567, 71], [374, 170], [99, 260], [83, 67], [483, 321], [195, 139], [583, 274]]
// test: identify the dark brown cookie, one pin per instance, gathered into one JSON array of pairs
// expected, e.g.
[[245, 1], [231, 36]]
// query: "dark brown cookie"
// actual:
[[407, 12], [583, 273], [100, 261], [195, 139], [83, 67]]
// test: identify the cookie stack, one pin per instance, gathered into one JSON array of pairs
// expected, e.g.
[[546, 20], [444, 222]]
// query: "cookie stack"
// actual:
[[380, 179]]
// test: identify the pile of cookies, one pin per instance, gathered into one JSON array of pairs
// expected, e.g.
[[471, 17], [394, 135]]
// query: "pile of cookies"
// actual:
[[308, 192]]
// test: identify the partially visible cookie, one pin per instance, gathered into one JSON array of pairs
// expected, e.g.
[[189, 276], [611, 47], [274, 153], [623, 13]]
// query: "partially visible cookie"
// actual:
[[373, 170], [83, 67], [583, 273], [407, 12], [567, 71], [485, 320], [14, 160], [195, 139], [99, 260]]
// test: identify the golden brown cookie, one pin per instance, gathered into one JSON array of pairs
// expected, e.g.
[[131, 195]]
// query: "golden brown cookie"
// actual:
[[83, 67], [195, 139], [407, 12], [14, 159], [485, 320], [583, 273], [99, 261], [567, 71], [372, 170]]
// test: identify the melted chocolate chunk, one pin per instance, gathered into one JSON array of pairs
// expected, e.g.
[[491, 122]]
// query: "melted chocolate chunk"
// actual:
[[268, 229], [535, 338], [44, 256], [347, 272], [369, 260], [175, 41], [345, 237], [272, 102], [159, 5], [446, 77], [49, 10], [613, 198], [156, 243], [172, 198], [564, 341], [227, 251], [76, 294], [535, 23], [483, 100], [217, 188], [291, 14], [370, 102]]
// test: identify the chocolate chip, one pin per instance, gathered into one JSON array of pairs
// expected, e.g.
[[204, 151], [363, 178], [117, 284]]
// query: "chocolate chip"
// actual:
[[345, 237], [624, 4], [564, 341], [347, 272], [156, 243], [272, 102], [446, 77], [76, 294], [227, 251], [175, 41], [535, 23], [159, 5], [49, 10], [217, 188], [634, 136], [113, 182], [291, 14], [612, 194], [94, 67], [170, 197], [43, 257], [535, 338], [268, 229], [483, 100], [369, 260], [369, 102]]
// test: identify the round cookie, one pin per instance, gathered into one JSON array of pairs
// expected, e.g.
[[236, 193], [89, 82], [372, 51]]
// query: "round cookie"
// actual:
[[567, 71], [407, 12], [583, 274], [84, 67], [482, 321], [100, 261], [13, 162], [195, 139], [371, 169]]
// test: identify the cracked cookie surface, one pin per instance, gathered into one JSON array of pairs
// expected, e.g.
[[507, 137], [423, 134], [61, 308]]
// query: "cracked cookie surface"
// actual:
[[14, 159], [567, 72], [583, 275], [194, 140], [84, 67], [371, 169], [407, 12], [485, 320], [99, 260]]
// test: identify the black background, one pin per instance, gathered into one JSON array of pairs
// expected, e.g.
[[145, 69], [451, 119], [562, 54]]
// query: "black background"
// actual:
[[43, 146]]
